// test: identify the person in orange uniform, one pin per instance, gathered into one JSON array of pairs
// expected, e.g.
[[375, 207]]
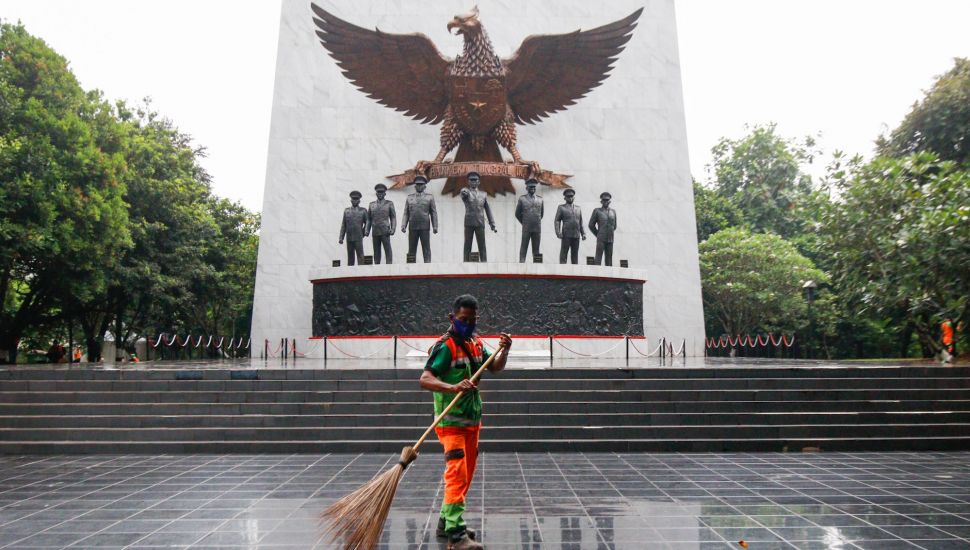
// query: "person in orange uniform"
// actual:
[[453, 360], [946, 328]]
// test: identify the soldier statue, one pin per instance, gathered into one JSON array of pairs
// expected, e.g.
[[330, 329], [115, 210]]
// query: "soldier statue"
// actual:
[[529, 211], [420, 213], [353, 226], [382, 219], [476, 210], [569, 227], [603, 224]]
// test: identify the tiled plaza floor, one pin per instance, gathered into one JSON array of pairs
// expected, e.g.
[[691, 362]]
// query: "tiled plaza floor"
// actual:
[[573, 501]]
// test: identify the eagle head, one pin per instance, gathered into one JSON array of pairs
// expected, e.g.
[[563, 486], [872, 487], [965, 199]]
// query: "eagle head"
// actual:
[[467, 24]]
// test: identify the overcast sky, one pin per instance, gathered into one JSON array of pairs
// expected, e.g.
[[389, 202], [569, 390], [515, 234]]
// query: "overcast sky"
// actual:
[[846, 68]]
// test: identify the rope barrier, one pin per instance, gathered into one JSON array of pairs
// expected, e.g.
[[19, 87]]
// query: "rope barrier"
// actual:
[[159, 341], [563, 346], [679, 351], [749, 341], [199, 343], [306, 354], [405, 342], [648, 354], [351, 355]]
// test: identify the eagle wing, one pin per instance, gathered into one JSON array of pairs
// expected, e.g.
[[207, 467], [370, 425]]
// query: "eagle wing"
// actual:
[[551, 72], [402, 71]]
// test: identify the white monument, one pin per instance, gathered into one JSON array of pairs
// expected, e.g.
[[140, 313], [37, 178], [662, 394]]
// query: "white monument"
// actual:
[[626, 137]]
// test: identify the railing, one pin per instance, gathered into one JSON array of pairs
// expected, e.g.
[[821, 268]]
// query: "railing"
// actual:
[[390, 347]]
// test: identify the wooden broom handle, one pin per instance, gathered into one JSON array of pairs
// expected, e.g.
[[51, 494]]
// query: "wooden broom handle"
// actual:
[[474, 379]]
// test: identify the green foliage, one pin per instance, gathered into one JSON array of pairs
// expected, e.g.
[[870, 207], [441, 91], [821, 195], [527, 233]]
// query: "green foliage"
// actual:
[[940, 123], [107, 219], [762, 175], [752, 282], [62, 217], [713, 212], [899, 240]]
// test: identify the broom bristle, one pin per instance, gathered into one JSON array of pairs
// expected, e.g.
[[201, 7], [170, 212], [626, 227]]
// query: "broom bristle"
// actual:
[[357, 520]]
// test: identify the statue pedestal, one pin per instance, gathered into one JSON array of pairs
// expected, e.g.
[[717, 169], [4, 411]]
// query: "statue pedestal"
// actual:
[[413, 300]]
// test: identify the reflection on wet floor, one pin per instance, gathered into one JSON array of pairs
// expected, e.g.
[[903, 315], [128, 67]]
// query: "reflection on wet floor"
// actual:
[[522, 501]]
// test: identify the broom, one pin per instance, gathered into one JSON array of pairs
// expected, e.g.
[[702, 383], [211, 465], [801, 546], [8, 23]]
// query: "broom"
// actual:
[[358, 518]]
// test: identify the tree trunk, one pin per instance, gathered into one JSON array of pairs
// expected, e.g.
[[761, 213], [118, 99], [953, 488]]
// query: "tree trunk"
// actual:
[[119, 340], [8, 343], [905, 338]]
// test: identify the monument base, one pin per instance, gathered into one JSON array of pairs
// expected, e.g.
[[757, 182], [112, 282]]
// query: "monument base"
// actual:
[[538, 300]]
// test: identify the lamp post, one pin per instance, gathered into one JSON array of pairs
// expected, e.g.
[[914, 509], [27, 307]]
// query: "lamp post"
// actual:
[[809, 289]]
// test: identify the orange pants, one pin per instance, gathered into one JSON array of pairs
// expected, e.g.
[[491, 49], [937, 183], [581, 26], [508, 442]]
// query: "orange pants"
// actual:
[[461, 455]]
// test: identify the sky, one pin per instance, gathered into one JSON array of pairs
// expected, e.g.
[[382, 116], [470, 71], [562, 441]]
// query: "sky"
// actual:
[[846, 69]]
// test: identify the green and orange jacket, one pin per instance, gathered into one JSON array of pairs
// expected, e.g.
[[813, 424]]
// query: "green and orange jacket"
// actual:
[[448, 362]]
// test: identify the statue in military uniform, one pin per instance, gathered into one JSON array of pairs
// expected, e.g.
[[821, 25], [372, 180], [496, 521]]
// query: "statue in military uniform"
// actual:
[[529, 211], [382, 220], [352, 227], [476, 210], [422, 216], [603, 224], [569, 227]]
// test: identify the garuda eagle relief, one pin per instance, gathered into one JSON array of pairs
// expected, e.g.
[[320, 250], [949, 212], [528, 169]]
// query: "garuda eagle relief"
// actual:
[[477, 97]]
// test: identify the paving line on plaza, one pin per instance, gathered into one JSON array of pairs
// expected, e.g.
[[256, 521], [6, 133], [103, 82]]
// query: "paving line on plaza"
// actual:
[[79, 458], [676, 473], [914, 501], [82, 481], [47, 529], [814, 466], [199, 507], [589, 518], [262, 498], [528, 493], [762, 525]]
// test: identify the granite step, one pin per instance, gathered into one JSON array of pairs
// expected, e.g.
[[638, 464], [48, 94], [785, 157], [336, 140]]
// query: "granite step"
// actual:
[[551, 420], [492, 406]]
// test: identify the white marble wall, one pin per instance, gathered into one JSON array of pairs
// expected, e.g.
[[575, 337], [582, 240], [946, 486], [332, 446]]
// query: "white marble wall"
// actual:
[[627, 136]]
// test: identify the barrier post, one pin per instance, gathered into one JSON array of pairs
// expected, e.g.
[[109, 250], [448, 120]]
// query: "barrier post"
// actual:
[[663, 348], [395, 350], [324, 351], [683, 348], [627, 337], [551, 352], [294, 350]]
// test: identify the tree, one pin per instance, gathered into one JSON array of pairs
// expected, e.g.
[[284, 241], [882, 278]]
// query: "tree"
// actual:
[[762, 175], [713, 212], [62, 217], [752, 282], [940, 123], [899, 240]]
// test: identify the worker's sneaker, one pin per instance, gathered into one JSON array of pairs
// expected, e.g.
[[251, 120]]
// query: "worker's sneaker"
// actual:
[[464, 543], [441, 533]]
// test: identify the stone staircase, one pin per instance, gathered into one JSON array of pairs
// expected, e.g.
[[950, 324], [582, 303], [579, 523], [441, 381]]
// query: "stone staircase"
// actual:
[[719, 408]]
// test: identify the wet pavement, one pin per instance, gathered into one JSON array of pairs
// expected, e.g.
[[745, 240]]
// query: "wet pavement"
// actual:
[[518, 500]]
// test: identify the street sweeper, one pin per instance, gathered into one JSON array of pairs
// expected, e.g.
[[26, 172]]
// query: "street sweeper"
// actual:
[[452, 363]]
